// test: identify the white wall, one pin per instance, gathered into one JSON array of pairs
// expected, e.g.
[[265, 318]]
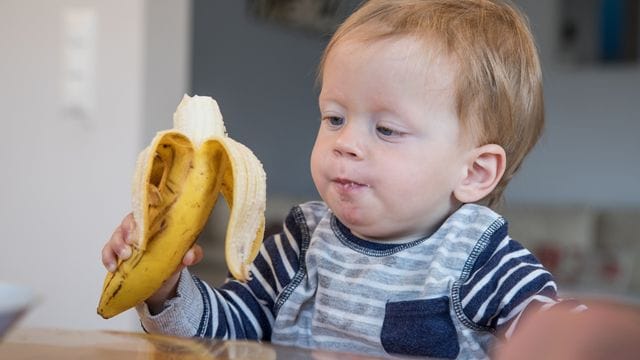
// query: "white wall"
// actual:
[[66, 178]]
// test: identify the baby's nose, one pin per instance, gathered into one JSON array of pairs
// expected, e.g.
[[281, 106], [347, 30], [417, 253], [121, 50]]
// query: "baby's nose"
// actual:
[[349, 144]]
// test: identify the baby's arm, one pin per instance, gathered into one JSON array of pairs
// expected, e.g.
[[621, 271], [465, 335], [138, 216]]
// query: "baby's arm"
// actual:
[[235, 310], [119, 248], [508, 282]]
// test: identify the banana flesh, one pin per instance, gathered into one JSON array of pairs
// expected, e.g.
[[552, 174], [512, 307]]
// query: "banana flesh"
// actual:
[[177, 182]]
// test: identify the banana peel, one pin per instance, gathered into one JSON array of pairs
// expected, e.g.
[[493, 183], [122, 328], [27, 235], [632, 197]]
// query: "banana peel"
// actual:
[[177, 182]]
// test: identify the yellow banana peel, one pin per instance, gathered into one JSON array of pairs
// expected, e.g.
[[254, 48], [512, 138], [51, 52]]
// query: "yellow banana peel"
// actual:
[[177, 182]]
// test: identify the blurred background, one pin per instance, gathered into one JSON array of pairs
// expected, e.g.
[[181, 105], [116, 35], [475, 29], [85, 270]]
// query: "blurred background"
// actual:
[[85, 84]]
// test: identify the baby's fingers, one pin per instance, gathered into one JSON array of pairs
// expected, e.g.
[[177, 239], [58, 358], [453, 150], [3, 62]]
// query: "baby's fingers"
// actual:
[[109, 259], [116, 248], [128, 227]]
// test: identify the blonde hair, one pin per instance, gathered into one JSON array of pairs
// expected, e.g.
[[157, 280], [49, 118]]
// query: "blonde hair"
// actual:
[[499, 80]]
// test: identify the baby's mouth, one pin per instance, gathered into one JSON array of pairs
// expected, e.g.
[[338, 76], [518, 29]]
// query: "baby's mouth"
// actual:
[[349, 184]]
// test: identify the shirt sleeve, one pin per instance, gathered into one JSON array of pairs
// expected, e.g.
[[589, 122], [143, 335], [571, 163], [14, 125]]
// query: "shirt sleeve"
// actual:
[[508, 281], [235, 310], [181, 314]]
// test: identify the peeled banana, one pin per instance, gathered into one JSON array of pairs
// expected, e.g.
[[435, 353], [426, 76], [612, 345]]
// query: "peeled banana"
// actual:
[[177, 182]]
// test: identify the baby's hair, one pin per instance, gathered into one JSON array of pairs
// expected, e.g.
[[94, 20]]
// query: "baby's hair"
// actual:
[[499, 79]]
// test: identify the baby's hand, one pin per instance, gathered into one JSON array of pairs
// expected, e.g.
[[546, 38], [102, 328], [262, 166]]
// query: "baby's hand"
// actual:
[[119, 248]]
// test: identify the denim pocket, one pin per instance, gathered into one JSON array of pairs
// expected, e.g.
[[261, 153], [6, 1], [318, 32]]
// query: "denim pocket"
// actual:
[[420, 328]]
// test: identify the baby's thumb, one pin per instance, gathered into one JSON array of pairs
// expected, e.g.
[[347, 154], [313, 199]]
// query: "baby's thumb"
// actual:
[[128, 229], [193, 256]]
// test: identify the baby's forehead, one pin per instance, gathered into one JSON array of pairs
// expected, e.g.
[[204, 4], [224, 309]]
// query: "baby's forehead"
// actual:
[[403, 59], [419, 50]]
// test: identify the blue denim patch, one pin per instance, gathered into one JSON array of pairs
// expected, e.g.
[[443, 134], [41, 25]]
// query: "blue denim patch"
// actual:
[[420, 328]]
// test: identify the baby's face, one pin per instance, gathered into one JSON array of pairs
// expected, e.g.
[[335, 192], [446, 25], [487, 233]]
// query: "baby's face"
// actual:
[[388, 154]]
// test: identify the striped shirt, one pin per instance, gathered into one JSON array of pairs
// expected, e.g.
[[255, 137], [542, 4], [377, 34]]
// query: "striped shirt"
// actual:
[[316, 285]]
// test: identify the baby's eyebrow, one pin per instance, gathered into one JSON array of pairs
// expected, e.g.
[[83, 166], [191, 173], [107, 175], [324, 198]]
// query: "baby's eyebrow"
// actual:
[[330, 102]]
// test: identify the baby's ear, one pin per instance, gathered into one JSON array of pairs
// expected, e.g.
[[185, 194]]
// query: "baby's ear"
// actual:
[[484, 170]]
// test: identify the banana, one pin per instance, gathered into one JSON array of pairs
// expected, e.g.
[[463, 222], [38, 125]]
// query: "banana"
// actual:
[[177, 182]]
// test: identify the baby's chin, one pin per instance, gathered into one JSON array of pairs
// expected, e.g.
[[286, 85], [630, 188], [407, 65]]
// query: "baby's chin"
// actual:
[[365, 221], [350, 215]]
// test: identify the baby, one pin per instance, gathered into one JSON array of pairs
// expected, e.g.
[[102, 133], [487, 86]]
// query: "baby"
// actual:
[[428, 108]]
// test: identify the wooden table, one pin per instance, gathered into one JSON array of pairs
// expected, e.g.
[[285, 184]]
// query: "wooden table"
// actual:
[[27, 343]]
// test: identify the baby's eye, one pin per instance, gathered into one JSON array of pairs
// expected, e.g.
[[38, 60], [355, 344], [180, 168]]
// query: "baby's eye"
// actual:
[[385, 131], [334, 120]]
